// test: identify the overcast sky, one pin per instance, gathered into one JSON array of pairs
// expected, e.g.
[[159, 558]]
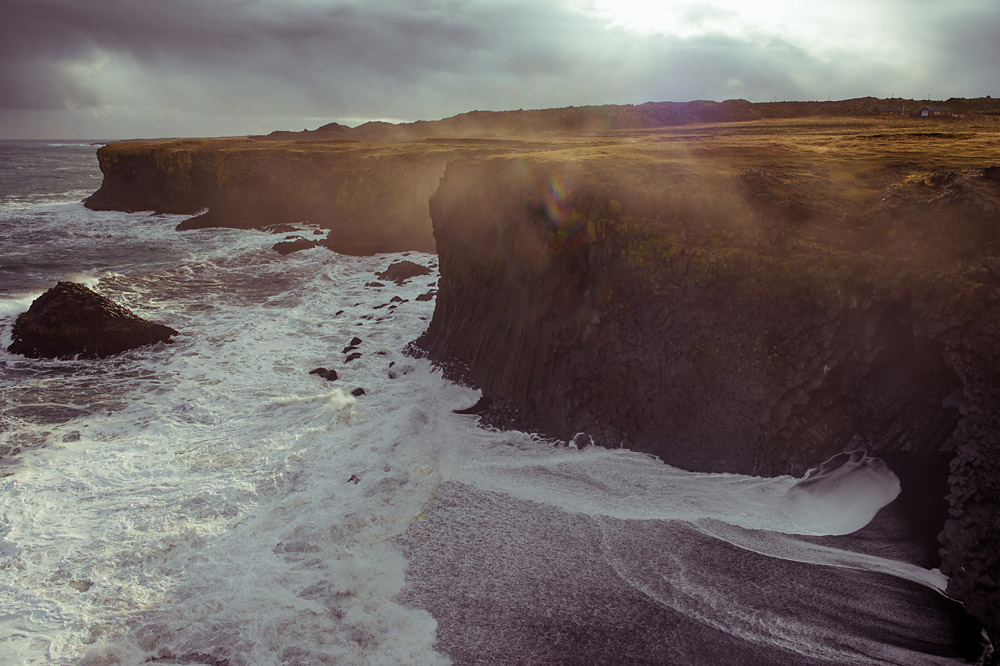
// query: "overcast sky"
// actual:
[[155, 68]]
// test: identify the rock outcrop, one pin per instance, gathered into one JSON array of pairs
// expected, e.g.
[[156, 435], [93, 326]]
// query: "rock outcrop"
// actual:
[[297, 245], [70, 320], [328, 374], [401, 271], [372, 198], [739, 322]]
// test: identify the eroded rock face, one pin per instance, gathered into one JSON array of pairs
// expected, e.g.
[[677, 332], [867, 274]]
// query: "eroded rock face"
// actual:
[[289, 246], [704, 328], [401, 271], [372, 199], [70, 320]]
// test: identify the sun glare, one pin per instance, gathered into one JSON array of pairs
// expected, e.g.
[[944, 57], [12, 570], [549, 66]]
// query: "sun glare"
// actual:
[[682, 18], [804, 23]]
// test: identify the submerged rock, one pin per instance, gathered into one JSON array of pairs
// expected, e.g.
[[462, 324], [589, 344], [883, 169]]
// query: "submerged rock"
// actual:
[[326, 373], [290, 246], [71, 320], [401, 271]]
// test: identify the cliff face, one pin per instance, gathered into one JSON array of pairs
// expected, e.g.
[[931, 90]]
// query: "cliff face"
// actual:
[[372, 198], [734, 321], [160, 177]]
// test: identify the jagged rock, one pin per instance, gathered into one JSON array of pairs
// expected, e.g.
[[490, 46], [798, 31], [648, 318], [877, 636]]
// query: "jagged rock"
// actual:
[[71, 320], [287, 247], [401, 271], [429, 296], [352, 357], [358, 392], [281, 229], [327, 374]]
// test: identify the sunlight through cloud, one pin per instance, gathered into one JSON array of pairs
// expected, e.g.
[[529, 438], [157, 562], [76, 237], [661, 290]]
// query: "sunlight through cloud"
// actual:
[[820, 27]]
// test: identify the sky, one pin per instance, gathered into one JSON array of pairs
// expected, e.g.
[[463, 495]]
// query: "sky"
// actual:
[[107, 69]]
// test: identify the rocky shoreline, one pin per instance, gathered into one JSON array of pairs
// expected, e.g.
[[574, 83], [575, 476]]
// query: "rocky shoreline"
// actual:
[[751, 298]]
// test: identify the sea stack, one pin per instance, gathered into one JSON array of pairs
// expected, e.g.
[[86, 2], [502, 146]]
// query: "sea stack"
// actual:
[[70, 320]]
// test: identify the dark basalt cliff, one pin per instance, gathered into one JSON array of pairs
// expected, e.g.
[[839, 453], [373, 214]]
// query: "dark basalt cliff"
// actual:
[[738, 321], [372, 198]]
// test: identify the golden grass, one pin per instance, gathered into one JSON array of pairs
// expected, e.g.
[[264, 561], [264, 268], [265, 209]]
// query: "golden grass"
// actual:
[[829, 162]]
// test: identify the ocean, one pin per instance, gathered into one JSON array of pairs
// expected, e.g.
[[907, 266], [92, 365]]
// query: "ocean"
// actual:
[[210, 502]]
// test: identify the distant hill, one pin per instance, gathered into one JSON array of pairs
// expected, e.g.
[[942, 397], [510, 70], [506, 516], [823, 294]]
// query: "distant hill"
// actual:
[[591, 119]]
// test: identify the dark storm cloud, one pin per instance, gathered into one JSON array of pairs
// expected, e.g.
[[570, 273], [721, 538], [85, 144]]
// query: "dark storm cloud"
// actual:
[[52, 50], [309, 59], [255, 39]]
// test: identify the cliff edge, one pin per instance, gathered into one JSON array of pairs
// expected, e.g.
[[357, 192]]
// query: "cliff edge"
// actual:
[[372, 197]]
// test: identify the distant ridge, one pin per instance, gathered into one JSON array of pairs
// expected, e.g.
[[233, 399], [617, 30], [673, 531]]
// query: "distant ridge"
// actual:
[[591, 119]]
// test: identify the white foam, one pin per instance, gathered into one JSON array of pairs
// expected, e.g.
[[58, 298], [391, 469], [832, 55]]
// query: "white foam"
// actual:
[[212, 505], [842, 495], [15, 304], [622, 484], [795, 550]]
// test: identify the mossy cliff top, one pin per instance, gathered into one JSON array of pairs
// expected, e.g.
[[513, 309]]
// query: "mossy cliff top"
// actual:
[[796, 169]]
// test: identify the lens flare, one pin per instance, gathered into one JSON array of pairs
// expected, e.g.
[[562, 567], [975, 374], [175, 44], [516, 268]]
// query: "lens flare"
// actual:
[[556, 206]]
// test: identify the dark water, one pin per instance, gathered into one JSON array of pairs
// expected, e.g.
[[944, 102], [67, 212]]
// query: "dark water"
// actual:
[[47, 235], [38, 171]]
